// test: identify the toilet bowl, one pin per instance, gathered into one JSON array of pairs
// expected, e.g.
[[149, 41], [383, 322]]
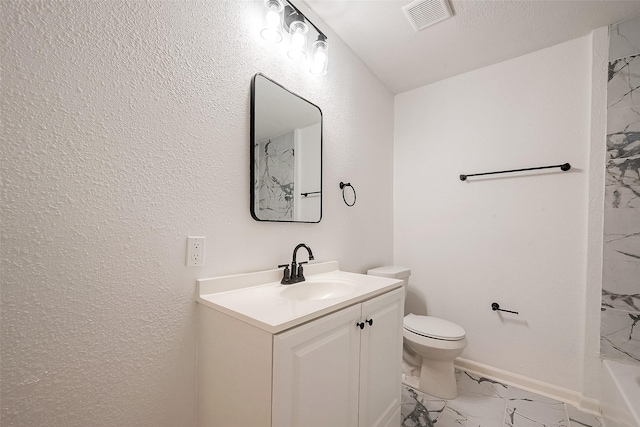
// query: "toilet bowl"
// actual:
[[438, 342], [430, 345]]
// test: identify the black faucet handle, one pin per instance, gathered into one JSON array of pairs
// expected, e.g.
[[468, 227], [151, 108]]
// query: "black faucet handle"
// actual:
[[300, 272], [285, 274]]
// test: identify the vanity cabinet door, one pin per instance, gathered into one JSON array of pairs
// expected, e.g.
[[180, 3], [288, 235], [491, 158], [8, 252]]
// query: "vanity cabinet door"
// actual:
[[316, 372], [381, 360]]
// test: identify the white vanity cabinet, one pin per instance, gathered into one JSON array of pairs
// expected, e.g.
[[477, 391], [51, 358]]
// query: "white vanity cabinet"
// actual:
[[327, 372], [331, 372]]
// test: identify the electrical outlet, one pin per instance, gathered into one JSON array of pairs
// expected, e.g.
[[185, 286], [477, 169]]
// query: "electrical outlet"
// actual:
[[195, 251]]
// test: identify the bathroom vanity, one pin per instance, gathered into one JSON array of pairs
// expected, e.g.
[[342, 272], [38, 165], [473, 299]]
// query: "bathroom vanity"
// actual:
[[323, 352]]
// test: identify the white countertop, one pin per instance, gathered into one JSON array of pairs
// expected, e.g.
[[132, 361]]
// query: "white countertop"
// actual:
[[257, 298]]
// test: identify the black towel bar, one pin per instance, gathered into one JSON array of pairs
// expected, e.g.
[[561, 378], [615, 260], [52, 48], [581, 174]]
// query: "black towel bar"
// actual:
[[565, 167], [311, 192]]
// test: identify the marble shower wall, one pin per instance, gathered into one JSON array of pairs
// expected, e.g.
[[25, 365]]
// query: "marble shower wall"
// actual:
[[620, 329]]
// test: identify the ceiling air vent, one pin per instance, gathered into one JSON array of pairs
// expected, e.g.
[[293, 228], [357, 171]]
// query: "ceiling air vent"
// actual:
[[424, 13]]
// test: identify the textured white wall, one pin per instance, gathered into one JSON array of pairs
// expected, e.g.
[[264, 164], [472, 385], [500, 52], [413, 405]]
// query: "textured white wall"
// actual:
[[519, 240], [125, 129]]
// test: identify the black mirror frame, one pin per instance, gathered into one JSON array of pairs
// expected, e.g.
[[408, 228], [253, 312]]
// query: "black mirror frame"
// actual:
[[252, 151]]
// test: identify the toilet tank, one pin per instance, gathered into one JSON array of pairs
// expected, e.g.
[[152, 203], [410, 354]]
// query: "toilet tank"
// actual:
[[392, 271]]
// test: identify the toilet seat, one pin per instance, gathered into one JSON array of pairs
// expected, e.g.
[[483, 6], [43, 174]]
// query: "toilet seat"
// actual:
[[433, 327]]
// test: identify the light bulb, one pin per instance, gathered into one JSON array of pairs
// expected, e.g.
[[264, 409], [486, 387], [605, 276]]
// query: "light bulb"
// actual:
[[318, 62], [320, 57], [298, 31], [297, 40], [273, 19], [272, 32]]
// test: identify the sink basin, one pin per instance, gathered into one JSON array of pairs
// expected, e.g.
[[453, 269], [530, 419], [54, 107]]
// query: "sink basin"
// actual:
[[318, 290]]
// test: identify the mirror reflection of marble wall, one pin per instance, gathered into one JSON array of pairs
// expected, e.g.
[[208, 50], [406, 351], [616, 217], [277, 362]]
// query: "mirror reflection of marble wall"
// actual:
[[286, 155], [275, 163]]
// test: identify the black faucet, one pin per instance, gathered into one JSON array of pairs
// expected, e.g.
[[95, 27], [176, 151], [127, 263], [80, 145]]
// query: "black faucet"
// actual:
[[296, 274]]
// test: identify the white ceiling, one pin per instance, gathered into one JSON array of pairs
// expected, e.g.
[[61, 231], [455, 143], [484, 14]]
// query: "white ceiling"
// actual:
[[481, 32]]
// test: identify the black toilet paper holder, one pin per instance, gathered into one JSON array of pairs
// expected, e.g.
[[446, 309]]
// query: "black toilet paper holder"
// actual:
[[496, 307]]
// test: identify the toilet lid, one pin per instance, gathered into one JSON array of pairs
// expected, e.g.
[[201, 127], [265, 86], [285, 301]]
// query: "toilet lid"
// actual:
[[433, 327]]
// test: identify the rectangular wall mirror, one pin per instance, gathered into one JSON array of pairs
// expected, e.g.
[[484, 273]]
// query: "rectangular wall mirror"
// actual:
[[286, 154]]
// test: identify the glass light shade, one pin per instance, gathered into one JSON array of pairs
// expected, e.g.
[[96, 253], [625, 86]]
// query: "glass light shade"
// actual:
[[298, 31], [320, 58], [272, 32]]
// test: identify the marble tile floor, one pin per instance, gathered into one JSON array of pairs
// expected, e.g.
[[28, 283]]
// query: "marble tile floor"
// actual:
[[482, 402]]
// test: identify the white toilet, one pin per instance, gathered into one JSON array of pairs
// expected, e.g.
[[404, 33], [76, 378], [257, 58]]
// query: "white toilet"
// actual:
[[430, 346]]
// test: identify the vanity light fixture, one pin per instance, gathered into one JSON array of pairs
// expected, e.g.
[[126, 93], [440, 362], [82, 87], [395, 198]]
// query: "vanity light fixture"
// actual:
[[272, 32], [283, 15]]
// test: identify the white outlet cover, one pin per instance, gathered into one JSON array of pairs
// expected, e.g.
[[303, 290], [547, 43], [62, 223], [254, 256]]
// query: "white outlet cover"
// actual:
[[195, 251]]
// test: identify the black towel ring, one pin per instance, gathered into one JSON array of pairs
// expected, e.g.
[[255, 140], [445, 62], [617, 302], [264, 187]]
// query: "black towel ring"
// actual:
[[347, 184]]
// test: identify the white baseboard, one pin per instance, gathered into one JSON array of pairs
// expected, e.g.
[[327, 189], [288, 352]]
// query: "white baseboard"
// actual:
[[539, 387]]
